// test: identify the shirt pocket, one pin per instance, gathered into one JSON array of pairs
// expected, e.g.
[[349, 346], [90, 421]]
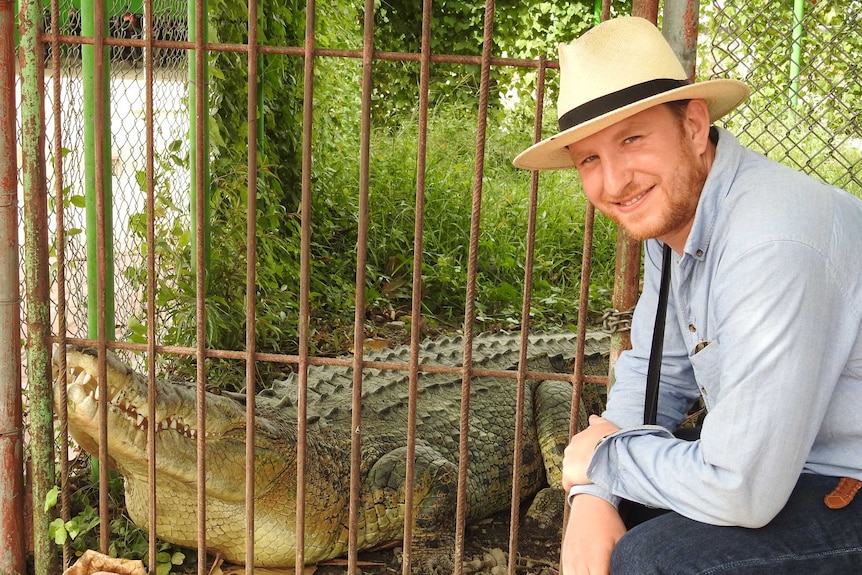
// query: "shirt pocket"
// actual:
[[705, 363]]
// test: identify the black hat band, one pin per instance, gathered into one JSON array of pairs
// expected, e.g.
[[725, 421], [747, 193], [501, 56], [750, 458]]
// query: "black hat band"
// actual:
[[616, 100]]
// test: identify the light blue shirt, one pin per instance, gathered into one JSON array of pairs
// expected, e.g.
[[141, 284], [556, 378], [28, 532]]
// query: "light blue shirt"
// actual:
[[771, 278]]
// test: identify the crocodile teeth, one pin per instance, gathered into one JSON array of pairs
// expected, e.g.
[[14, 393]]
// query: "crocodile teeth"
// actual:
[[141, 420], [82, 378]]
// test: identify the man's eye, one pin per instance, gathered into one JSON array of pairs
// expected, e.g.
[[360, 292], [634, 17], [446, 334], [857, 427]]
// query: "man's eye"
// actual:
[[588, 160], [631, 139]]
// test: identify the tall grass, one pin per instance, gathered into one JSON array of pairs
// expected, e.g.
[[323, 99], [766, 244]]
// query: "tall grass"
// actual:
[[449, 184]]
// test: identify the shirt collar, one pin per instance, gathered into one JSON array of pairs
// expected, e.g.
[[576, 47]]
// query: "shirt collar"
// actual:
[[715, 191]]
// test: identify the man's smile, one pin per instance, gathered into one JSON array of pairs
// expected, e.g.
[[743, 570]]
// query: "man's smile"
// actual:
[[633, 200]]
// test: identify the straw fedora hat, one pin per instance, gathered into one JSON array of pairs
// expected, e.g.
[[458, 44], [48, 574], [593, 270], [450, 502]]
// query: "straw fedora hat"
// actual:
[[615, 70]]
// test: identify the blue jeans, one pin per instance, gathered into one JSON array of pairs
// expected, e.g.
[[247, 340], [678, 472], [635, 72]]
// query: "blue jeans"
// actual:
[[806, 537]]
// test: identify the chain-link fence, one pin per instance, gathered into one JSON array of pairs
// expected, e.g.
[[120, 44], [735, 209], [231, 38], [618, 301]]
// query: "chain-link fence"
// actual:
[[803, 61], [803, 66], [125, 95]]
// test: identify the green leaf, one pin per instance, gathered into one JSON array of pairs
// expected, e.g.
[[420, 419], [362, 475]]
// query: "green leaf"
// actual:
[[73, 527], [78, 201], [138, 331], [51, 498], [57, 531]]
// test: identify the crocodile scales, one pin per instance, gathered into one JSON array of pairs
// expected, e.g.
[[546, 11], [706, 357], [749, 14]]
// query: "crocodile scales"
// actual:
[[383, 448]]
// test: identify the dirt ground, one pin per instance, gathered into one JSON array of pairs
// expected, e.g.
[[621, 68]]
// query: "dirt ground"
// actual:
[[486, 550]]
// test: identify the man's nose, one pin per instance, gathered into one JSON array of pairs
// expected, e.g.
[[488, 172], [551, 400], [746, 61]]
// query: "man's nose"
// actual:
[[616, 175]]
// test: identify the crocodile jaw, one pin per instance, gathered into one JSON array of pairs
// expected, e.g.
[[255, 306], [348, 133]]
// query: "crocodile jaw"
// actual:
[[176, 434], [127, 408]]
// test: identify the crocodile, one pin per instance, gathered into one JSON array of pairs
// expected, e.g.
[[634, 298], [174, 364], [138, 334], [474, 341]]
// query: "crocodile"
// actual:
[[383, 434]]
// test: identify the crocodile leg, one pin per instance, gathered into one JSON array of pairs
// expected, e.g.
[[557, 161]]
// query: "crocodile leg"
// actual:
[[553, 402], [434, 503]]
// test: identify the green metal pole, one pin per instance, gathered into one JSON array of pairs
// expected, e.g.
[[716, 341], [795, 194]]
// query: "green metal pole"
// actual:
[[90, 85], [198, 145], [796, 51], [45, 557]]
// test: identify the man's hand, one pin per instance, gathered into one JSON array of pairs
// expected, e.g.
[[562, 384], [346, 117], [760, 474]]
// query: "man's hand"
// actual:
[[593, 530], [580, 450]]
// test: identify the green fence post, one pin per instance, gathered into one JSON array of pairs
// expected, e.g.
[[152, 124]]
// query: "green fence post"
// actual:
[[796, 51], [90, 86], [197, 146]]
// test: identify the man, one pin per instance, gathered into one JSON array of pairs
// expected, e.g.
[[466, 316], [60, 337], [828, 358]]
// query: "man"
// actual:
[[763, 324]]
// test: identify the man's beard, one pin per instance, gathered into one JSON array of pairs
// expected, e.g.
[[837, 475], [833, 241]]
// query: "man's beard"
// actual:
[[682, 197]]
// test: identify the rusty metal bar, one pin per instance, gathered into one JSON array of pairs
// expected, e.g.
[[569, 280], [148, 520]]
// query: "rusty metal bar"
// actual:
[[470, 297], [679, 26], [300, 51], [340, 361], [359, 318], [518, 448], [37, 280], [578, 378], [200, 163], [416, 299], [251, 284], [627, 273], [304, 275], [646, 9], [149, 171], [12, 549]]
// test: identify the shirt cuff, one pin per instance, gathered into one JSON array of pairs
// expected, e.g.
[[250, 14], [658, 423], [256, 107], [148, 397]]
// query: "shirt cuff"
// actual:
[[603, 457], [603, 467], [595, 490]]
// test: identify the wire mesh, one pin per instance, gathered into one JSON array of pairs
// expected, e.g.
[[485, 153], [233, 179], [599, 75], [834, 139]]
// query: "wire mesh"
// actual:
[[804, 117], [804, 70], [126, 92]]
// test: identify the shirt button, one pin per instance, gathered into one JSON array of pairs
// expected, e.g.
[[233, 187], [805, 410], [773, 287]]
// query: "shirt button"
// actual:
[[699, 253], [691, 328], [703, 390]]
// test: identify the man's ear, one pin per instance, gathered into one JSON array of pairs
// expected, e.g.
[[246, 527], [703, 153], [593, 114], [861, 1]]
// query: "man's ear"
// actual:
[[697, 124]]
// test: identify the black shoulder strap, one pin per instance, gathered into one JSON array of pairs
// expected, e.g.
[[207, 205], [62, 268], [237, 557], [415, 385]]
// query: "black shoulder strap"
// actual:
[[655, 356]]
